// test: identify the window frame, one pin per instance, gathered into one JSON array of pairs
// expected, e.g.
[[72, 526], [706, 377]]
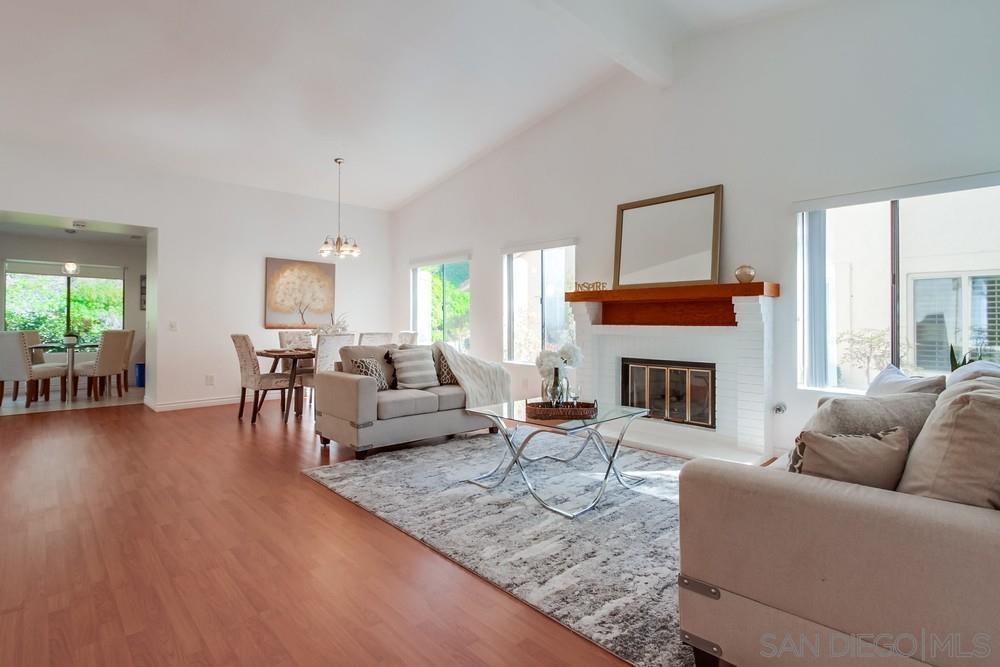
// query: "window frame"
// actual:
[[508, 286]]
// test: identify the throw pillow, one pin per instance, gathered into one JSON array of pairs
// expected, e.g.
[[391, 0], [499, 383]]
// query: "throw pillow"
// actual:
[[983, 383], [894, 381], [379, 353], [858, 415], [445, 376], [414, 368], [372, 369], [875, 459], [976, 369], [957, 455]]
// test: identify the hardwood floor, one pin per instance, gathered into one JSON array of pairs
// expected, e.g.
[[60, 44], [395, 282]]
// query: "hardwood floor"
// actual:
[[131, 537]]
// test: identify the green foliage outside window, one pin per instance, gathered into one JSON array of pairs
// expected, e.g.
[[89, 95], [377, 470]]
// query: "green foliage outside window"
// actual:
[[450, 303], [38, 303]]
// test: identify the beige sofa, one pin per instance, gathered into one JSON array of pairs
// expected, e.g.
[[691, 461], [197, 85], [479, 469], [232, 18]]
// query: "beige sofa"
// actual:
[[350, 411], [783, 568]]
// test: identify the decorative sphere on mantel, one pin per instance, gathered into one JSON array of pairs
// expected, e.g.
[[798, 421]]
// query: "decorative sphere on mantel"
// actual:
[[745, 273]]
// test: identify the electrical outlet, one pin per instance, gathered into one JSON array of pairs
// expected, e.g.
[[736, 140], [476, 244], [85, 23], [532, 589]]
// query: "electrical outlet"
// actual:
[[171, 325], [209, 380]]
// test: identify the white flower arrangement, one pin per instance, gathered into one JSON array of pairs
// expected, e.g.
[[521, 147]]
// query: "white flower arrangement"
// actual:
[[337, 325], [568, 356], [572, 355]]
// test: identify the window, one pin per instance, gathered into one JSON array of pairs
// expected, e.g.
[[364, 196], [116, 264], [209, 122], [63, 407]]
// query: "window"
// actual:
[[439, 308], [38, 297], [937, 321], [537, 316], [944, 250]]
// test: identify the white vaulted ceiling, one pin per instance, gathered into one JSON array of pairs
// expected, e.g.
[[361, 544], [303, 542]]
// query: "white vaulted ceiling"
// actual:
[[266, 93]]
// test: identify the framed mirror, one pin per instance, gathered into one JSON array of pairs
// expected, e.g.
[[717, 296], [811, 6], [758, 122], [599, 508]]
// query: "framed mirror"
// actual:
[[669, 240]]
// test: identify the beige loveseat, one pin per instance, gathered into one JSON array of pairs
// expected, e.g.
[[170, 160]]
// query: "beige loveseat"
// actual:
[[782, 568], [351, 411]]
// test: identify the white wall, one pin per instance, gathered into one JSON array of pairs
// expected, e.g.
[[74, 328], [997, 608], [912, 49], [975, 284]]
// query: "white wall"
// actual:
[[131, 257], [206, 259], [838, 98]]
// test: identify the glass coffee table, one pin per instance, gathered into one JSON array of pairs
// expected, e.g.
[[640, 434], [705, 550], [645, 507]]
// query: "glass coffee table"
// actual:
[[514, 411]]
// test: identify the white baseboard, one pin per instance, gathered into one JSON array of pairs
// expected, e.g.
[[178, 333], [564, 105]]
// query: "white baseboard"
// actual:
[[203, 402]]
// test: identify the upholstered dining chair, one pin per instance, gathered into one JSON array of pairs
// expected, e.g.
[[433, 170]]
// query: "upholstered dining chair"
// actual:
[[35, 338], [305, 367], [296, 339], [407, 338], [127, 356], [375, 338], [252, 378], [106, 365], [37, 357], [328, 350], [16, 367]]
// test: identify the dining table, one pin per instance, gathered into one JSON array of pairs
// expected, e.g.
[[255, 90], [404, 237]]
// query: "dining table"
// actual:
[[294, 356], [70, 350]]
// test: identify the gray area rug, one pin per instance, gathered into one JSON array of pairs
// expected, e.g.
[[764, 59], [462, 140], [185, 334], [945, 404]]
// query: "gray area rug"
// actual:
[[609, 574]]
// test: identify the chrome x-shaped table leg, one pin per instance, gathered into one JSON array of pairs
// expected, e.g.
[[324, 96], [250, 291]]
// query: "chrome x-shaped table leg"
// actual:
[[515, 451], [517, 454], [626, 480]]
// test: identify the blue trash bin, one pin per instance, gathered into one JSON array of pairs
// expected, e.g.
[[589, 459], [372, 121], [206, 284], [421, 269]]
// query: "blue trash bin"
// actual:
[[140, 375]]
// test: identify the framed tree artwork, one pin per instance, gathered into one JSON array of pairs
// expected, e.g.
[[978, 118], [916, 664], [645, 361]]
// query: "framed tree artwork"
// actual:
[[298, 294]]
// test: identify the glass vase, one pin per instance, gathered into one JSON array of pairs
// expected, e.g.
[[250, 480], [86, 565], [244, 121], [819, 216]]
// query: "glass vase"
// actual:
[[555, 389]]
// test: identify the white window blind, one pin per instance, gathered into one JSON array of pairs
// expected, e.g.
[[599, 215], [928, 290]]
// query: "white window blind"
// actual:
[[985, 329]]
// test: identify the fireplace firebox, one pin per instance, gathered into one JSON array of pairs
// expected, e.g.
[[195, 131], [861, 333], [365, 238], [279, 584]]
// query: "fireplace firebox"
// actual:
[[677, 391]]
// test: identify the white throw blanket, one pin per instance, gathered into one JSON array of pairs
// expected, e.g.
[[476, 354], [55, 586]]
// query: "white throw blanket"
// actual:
[[484, 382]]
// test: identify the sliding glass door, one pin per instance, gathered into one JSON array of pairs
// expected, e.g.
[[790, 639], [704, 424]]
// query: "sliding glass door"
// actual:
[[440, 303]]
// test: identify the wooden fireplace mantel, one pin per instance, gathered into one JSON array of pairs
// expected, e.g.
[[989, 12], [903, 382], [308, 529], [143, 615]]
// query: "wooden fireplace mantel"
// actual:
[[684, 305]]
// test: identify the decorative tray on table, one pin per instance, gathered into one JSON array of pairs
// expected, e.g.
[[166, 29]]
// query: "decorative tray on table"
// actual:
[[574, 410]]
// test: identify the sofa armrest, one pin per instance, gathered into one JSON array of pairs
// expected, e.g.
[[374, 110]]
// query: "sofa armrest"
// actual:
[[853, 558], [347, 396]]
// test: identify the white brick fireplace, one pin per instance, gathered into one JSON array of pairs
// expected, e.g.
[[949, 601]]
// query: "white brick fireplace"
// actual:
[[742, 358]]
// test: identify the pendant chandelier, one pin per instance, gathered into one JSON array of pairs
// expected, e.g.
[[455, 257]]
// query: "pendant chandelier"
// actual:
[[341, 246]]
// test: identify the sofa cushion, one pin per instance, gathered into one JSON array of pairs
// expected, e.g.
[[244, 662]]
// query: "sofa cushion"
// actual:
[[874, 460], [414, 368], [349, 353], [957, 455], [404, 402], [858, 415], [894, 381], [450, 396]]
